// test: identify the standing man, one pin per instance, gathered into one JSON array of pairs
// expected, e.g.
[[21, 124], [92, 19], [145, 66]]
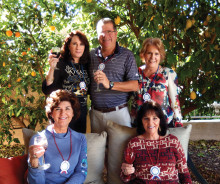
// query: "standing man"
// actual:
[[115, 73]]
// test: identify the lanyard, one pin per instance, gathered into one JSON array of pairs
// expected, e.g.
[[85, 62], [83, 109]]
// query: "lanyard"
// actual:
[[80, 66], [151, 84], [58, 147], [104, 61]]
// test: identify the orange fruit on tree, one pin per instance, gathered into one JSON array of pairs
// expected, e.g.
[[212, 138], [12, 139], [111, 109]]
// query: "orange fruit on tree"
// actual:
[[54, 16], [19, 79], [160, 27], [188, 24], [24, 53], [9, 33], [33, 73], [9, 85], [117, 20], [152, 18], [3, 64], [52, 28], [88, 1], [17, 34], [193, 95], [29, 49]]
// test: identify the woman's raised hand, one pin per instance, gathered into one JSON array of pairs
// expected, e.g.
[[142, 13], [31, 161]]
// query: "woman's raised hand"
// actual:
[[127, 169], [53, 60], [36, 151]]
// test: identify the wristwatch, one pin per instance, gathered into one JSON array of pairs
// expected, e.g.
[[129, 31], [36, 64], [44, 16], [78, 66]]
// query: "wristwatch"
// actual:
[[111, 84]]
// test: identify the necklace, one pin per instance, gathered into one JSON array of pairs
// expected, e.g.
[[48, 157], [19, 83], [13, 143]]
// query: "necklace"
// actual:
[[154, 170], [146, 95], [65, 165], [82, 83]]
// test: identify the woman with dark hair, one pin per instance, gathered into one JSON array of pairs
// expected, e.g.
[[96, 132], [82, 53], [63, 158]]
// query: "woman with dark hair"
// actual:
[[152, 156], [70, 72], [63, 150], [157, 83]]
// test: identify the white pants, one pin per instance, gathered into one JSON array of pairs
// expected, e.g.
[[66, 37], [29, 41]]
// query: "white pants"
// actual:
[[99, 119]]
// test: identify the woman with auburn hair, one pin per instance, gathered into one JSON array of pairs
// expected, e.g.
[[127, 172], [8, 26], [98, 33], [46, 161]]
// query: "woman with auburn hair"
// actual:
[[58, 154], [69, 71], [157, 83]]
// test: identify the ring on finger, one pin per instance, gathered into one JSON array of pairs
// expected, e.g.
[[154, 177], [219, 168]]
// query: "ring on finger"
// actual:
[[34, 156]]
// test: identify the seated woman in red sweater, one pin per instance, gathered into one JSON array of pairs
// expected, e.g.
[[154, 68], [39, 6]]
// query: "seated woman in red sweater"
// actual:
[[154, 157]]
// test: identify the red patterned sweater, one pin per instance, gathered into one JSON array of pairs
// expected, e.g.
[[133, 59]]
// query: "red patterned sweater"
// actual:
[[172, 161]]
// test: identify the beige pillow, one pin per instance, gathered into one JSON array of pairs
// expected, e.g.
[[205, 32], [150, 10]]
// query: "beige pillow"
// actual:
[[183, 134], [27, 134], [96, 145], [118, 138]]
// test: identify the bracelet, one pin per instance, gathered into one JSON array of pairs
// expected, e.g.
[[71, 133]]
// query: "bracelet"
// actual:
[[29, 164], [49, 80]]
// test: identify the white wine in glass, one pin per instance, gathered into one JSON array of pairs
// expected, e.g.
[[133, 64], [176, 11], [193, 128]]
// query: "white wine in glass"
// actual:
[[41, 140], [97, 88]]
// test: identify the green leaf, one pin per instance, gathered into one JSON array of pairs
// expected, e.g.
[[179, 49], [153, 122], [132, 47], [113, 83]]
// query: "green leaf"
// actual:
[[19, 112]]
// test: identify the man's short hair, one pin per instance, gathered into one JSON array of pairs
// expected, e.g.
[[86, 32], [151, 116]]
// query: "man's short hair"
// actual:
[[103, 21]]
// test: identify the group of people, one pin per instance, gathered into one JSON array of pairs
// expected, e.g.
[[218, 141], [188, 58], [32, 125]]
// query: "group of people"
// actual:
[[109, 74]]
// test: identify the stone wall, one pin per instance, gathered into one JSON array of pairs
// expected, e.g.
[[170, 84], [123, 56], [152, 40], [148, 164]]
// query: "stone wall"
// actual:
[[204, 129]]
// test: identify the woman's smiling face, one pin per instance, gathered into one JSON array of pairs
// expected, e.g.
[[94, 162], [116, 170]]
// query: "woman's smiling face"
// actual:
[[62, 115], [151, 123], [152, 57]]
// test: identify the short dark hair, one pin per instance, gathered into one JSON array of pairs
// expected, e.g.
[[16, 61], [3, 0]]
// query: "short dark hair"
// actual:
[[65, 49], [150, 106], [59, 96], [105, 21]]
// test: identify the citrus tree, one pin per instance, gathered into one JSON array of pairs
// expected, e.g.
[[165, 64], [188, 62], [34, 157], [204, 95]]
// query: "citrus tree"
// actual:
[[28, 31], [189, 30]]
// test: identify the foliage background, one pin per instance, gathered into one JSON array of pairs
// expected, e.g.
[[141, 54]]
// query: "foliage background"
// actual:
[[188, 28]]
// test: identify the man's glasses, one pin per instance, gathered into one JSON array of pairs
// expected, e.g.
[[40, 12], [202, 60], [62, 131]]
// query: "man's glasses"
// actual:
[[107, 32]]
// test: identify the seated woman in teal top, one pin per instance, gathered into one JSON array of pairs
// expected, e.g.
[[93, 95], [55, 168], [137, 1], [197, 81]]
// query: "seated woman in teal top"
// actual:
[[62, 158]]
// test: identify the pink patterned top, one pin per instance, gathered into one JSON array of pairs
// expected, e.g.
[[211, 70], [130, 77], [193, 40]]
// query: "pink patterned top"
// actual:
[[171, 161], [164, 91]]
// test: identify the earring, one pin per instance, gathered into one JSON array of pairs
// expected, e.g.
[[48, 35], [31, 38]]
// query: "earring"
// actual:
[[159, 129]]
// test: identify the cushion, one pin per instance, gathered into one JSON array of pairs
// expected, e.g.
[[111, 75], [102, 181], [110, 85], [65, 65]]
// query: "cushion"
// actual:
[[118, 138], [13, 170], [96, 144], [27, 134], [183, 134]]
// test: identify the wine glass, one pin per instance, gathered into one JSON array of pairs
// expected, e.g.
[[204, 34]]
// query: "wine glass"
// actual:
[[56, 51], [97, 88], [129, 156], [41, 140]]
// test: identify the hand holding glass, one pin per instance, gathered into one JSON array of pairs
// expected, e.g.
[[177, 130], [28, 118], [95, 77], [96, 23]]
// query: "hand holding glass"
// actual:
[[97, 88], [41, 140], [129, 156]]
